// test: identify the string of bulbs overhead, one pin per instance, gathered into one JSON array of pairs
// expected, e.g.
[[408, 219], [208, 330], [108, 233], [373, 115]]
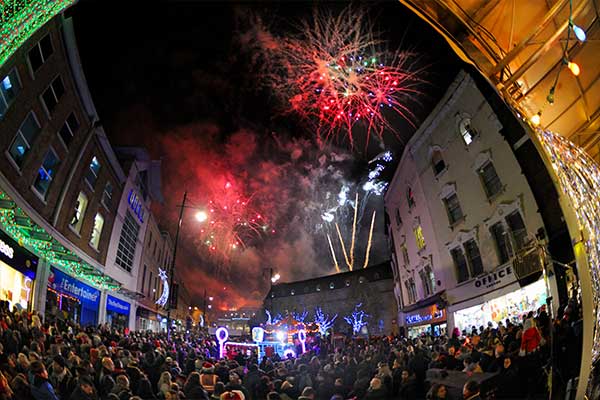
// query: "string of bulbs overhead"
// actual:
[[580, 34]]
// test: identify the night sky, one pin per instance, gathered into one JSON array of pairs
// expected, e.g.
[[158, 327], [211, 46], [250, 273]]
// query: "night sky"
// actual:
[[178, 79]]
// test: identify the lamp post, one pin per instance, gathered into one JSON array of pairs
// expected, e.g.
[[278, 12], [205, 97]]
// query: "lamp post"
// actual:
[[172, 272]]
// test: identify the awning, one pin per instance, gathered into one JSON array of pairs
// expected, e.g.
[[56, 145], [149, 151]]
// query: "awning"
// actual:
[[26, 232]]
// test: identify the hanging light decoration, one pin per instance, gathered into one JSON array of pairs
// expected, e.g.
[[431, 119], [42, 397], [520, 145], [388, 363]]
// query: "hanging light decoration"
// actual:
[[573, 67], [578, 31], [536, 119]]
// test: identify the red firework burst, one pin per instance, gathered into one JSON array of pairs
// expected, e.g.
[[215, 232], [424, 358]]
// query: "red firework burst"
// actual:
[[336, 76], [230, 222]]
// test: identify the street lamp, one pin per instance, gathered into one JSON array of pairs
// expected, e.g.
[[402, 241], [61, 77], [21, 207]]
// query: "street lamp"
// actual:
[[275, 277], [201, 216]]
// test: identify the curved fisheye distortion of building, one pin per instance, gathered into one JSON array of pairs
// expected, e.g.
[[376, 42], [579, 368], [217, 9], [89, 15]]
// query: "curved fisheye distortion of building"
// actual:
[[299, 201]]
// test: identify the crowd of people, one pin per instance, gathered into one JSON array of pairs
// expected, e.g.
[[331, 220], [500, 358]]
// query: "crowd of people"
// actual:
[[50, 361]]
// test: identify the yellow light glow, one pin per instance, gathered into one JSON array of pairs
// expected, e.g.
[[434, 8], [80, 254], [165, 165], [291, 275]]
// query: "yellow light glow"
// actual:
[[536, 119], [574, 68]]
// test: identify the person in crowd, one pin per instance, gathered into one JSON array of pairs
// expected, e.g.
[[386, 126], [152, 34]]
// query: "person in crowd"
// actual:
[[41, 388], [437, 392], [408, 386], [471, 390]]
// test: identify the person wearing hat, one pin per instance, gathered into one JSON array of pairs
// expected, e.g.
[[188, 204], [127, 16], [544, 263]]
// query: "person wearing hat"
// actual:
[[208, 378], [60, 377]]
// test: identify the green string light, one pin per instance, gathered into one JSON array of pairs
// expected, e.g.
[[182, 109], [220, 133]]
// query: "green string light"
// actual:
[[22, 229], [19, 19]]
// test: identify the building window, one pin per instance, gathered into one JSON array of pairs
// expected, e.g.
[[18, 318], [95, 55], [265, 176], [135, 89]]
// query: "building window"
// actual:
[[91, 176], [405, 256], [517, 229], [503, 246], [107, 196], [46, 173], [127, 243], [9, 89], [473, 257], [410, 198], [426, 283], [491, 181], [467, 132], [460, 263], [40, 53], [453, 209], [68, 129], [437, 162], [398, 218], [53, 93], [97, 230], [144, 278], [24, 138], [149, 283], [418, 231], [411, 290], [79, 212]]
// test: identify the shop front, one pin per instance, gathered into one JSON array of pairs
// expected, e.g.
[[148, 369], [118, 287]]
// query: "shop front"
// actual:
[[70, 299], [493, 298], [117, 312], [148, 320], [18, 269], [429, 320]]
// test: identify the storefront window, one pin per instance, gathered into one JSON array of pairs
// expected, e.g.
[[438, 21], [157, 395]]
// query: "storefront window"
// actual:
[[512, 306], [16, 288]]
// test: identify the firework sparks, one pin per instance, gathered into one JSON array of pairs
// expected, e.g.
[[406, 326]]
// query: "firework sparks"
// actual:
[[335, 262], [336, 75], [369, 241], [230, 222]]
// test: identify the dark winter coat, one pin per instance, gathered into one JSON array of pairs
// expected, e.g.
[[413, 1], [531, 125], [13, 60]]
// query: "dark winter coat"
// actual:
[[41, 389]]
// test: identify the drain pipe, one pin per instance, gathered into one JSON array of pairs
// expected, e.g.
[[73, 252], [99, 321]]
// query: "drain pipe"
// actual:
[[67, 184]]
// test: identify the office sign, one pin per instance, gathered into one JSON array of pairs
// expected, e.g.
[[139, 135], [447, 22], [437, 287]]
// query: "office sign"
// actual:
[[117, 305]]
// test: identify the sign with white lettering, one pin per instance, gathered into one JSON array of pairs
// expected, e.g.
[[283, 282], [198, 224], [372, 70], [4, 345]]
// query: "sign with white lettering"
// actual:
[[136, 205], [17, 257], [117, 305], [430, 315], [63, 283], [6, 249]]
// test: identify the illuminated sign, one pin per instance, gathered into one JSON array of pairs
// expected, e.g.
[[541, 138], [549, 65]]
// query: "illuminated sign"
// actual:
[[117, 305], [7, 250], [429, 315], [136, 205], [164, 297]]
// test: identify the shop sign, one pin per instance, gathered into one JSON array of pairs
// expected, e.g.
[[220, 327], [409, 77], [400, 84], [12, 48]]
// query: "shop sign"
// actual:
[[117, 305], [17, 257], [63, 283], [498, 278], [429, 315], [136, 205], [495, 278]]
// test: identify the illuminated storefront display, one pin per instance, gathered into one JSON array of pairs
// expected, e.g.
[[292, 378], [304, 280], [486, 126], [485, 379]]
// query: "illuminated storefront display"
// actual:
[[510, 306], [70, 299], [428, 320], [117, 312], [17, 273]]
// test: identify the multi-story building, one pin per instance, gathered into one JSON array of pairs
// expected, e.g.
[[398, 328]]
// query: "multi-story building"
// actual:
[[370, 289], [133, 228], [58, 179], [465, 225], [154, 279]]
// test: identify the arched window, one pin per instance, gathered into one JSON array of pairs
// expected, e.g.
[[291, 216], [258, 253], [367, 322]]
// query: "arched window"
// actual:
[[437, 162]]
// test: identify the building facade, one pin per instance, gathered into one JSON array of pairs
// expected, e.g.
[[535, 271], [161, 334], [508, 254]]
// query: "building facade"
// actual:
[[371, 290], [58, 176], [153, 279], [466, 229]]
